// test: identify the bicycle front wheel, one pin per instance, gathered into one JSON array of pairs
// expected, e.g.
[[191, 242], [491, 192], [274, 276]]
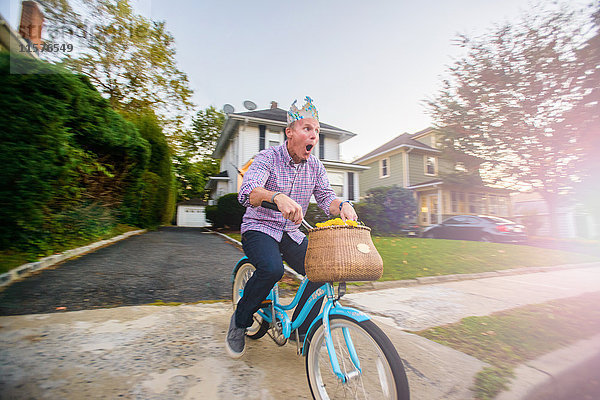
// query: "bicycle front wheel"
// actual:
[[381, 374], [260, 327]]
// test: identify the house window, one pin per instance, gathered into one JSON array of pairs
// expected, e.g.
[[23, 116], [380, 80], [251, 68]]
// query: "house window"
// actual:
[[430, 165], [321, 146], [384, 168], [273, 143], [261, 139], [336, 180], [350, 185]]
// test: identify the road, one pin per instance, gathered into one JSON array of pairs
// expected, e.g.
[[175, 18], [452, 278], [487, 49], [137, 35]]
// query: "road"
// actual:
[[170, 265]]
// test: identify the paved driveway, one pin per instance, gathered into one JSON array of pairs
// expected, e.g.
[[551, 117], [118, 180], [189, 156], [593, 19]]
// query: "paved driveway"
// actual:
[[171, 264]]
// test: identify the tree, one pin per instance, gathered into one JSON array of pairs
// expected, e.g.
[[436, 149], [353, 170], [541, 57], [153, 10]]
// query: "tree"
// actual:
[[193, 163], [200, 142], [130, 59], [505, 99]]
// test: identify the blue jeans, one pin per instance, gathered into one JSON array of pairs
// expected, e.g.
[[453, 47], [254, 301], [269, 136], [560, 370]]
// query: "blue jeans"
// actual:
[[267, 255]]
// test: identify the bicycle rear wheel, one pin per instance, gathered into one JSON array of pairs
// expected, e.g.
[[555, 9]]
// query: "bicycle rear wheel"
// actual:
[[260, 327], [382, 374]]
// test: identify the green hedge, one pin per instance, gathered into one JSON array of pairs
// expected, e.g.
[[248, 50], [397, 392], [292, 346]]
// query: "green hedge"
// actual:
[[72, 166]]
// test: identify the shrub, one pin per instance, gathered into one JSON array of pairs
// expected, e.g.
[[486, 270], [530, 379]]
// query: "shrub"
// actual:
[[214, 217], [63, 150], [157, 191], [386, 209], [231, 210]]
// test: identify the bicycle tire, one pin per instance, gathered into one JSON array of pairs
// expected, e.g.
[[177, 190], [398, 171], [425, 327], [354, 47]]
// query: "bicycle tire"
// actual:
[[260, 327], [382, 376]]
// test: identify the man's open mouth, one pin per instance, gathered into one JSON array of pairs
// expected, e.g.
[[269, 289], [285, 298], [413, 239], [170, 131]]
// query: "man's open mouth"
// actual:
[[309, 147]]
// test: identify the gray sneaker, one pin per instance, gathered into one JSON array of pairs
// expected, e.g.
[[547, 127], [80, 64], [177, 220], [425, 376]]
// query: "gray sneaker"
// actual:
[[235, 343]]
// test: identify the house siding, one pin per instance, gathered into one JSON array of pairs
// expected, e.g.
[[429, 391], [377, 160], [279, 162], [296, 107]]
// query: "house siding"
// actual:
[[416, 168], [370, 178]]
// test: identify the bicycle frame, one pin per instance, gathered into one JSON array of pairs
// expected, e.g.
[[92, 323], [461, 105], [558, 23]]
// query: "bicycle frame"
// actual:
[[331, 307]]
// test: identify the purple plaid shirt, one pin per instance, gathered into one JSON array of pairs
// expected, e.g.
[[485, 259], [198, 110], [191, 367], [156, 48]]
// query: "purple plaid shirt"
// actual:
[[274, 170]]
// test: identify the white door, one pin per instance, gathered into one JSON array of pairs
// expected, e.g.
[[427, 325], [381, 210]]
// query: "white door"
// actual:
[[191, 216]]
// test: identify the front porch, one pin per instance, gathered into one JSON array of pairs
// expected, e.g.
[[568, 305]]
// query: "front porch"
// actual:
[[437, 201]]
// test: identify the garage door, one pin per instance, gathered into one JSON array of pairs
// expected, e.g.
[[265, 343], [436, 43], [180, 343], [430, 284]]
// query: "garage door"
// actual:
[[191, 216]]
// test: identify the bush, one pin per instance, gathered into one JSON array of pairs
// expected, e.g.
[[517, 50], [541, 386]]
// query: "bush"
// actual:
[[231, 210], [63, 149], [214, 217], [157, 191], [386, 209]]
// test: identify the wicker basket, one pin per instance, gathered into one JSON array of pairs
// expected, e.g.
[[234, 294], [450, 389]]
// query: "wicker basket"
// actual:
[[342, 253]]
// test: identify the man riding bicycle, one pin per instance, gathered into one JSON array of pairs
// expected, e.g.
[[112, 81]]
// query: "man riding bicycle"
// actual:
[[287, 175]]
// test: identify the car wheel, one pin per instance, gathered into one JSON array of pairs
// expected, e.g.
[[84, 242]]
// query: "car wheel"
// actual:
[[486, 238]]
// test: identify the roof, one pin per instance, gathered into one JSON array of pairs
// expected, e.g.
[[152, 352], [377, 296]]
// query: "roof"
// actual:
[[279, 115], [193, 202], [404, 140], [273, 116]]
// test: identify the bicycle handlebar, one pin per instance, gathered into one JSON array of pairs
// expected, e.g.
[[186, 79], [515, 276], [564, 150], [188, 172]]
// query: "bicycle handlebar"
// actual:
[[273, 206]]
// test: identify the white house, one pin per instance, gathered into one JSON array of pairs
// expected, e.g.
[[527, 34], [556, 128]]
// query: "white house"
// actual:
[[245, 134]]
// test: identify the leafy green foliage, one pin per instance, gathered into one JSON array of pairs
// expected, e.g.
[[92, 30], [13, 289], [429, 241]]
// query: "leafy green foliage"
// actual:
[[231, 210], [192, 176], [157, 191], [193, 164], [386, 209], [227, 212], [214, 216], [129, 58], [67, 156]]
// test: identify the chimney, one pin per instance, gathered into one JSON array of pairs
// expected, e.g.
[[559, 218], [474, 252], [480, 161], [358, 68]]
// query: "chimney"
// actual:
[[32, 21], [273, 105]]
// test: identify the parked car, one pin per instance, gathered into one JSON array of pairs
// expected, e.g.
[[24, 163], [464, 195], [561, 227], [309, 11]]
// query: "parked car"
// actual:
[[410, 230], [483, 228]]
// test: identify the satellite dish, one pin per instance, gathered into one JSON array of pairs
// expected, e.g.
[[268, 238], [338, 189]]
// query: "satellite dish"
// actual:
[[228, 108], [249, 105]]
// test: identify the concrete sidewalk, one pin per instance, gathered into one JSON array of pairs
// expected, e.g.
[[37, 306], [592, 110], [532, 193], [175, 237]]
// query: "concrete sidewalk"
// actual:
[[440, 375], [147, 352]]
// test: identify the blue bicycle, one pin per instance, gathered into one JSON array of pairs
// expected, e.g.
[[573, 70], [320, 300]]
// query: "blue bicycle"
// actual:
[[347, 355]]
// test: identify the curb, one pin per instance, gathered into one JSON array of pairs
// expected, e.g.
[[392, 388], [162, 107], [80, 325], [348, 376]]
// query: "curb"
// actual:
[[428, 280], [25, 270], [541, 374]]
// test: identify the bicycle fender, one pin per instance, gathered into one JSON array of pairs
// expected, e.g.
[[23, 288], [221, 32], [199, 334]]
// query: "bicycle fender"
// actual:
[[353, 313], [242, 261]]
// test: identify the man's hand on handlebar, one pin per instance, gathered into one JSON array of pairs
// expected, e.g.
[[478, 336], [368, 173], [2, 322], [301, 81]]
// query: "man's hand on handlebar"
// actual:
[[289, 208], [348, 212]]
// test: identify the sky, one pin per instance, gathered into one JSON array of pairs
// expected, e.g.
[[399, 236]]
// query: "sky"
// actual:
[[368, 65]]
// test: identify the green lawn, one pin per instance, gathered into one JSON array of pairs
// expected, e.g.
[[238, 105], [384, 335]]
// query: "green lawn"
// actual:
[[406, 258], [512, 337]]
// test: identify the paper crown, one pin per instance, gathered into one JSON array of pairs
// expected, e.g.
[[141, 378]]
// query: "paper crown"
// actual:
[[307, 111]]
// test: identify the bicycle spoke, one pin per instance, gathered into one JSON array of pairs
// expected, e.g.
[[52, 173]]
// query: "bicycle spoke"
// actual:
[[376, 378]]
